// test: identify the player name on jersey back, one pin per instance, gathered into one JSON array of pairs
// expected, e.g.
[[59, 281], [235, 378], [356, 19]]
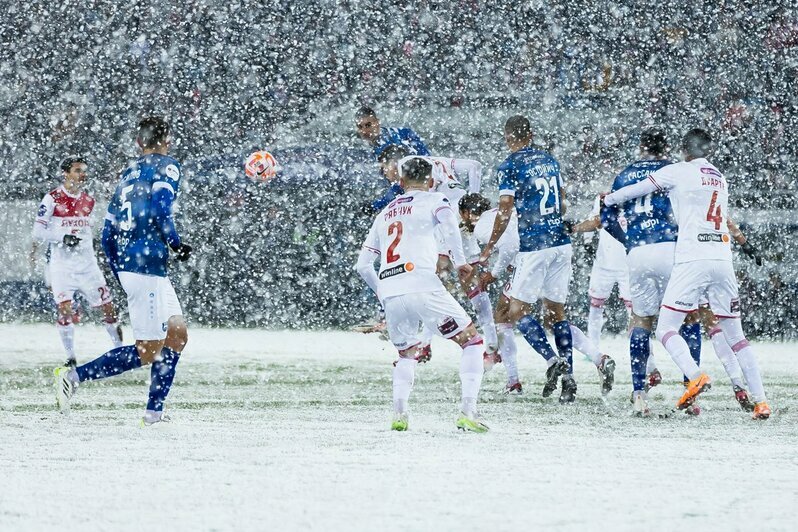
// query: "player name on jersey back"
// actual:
[[403, 236], [700, 199]]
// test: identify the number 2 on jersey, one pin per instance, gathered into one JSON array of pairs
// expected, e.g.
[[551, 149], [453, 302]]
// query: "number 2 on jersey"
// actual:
[[714, 214], [395, 227]]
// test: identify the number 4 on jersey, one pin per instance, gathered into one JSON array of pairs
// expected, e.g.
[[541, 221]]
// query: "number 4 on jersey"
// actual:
[[714, 214]]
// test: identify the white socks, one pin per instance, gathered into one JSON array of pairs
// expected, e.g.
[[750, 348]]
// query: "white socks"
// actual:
[[404, 374], [471, 369], [726, 356], [508, 350], [651, 365], [484, 311], [595, 321], [733, 331], [113, 332], [583, 344], [668, 333], [67, 334]]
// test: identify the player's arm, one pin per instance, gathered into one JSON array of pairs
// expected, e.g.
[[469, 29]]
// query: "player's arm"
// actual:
[[587, 226], [641, 188], [474, 171], [108, 239], [450, 231], [563, 202], [164, 192], [45, 231], [369, 253], [742, 240], [507, 185]]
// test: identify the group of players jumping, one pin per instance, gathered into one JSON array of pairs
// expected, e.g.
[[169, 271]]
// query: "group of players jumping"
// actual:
[[671, 218]]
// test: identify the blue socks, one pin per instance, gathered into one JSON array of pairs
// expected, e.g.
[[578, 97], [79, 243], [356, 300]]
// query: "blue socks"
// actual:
[[565, 344], [692, 335], [535, 336], [639, 350], [114, 362], [162, 374]]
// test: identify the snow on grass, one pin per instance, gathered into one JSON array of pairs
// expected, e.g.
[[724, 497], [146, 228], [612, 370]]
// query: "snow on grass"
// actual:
[[289, 431]]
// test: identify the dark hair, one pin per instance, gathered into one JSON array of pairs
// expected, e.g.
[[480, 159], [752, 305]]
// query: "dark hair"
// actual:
[[653, 141], [518, 127], [66, 164], [697, 143], [416, 169], [365, 112], [392, 151], [474, 203], [153, 131]]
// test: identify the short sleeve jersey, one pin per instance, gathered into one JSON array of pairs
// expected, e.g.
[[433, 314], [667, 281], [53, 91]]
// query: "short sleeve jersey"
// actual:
[[401, 136], [402, 234], [700, 199], [649, 219], [140, 243], [533, 177]]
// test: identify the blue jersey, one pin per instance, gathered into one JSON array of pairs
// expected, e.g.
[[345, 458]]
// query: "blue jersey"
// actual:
[[649, 219], [533, 177], [139, 227], [402, 136]]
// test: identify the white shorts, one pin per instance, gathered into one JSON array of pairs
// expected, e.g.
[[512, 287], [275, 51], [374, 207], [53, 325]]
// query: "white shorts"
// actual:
[[602, 280], [438, 311], [470, 246], [542, 274], [151, 301], [704, 280], [650, 269], [88, 280]]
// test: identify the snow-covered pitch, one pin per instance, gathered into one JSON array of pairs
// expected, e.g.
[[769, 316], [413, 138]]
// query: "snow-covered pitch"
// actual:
[[289, 431]]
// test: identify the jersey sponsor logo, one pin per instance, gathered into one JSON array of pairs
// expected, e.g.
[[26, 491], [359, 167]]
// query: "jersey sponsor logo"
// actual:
[[75, 222], [710, 171], [172, 172], [684, 304], [713, 237], [42, 209], [447, 325], [397, 270]]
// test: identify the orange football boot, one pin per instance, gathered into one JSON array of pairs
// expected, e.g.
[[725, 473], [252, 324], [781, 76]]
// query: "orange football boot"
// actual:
[[761, 411], [700, 384]]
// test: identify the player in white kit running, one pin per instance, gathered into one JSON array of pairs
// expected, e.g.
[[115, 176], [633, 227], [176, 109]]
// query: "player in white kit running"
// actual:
[[63, 221], [703, 263], [403, 238]]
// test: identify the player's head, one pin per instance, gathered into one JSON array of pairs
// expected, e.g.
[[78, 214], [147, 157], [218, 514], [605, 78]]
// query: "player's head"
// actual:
[[653, 142], [389, 161], [368, 125], [153, 134], [471, 208], [517, 132], [416, 172], [75, 170], [696, 143]]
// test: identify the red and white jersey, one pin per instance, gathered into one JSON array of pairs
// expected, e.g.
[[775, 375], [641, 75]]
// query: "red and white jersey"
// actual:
[[59, 214], [508, 244], [403, 236], [611, 254], [700, 199], [448, 175]]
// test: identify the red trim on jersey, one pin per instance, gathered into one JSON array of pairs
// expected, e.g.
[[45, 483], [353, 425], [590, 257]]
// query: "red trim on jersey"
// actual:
[[726, 317], [439, 209], [377, 251], [678, 309], [655, 183]]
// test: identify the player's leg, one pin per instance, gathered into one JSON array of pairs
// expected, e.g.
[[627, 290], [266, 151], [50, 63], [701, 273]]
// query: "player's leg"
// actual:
[[726, 356], [600, 288], [402, 325], [604, 363], [556, 278], [724, 300], [66, 330], [98, 295], [639, 354], [508, 350], [691, 332], [162, 372]]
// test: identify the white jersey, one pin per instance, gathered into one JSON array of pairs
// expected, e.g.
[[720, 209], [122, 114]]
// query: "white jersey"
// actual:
[[403, 235], [448, 174], [611, 254], [700, 199], [508, 244], [60, 214]]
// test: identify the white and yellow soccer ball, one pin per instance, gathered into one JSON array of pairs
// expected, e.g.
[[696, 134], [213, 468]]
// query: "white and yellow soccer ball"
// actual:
[[261, 166]]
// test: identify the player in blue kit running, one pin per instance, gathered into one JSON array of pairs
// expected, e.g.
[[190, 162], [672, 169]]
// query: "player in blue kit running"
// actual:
[[530, 184], [138, 234]]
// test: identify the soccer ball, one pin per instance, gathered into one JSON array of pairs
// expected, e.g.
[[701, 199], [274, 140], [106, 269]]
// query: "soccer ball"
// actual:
[[261, 166]]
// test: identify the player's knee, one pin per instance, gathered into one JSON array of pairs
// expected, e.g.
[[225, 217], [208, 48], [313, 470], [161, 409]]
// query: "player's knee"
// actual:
[[177, 334]]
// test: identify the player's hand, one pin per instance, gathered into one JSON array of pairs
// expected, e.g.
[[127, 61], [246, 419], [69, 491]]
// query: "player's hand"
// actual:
[[484, 257], [464, 271], [603, 195], [752, 252], [182, 252], [486, 279], [568, 225], [71, 241]]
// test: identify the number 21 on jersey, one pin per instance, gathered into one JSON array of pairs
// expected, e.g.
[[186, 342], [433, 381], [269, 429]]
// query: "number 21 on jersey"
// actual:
[[548, 186]]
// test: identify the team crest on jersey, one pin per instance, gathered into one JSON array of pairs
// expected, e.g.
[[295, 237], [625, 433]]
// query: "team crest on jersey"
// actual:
[[42, 209], [447, 325], [397, 270], [172, 172], [735, 306]]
